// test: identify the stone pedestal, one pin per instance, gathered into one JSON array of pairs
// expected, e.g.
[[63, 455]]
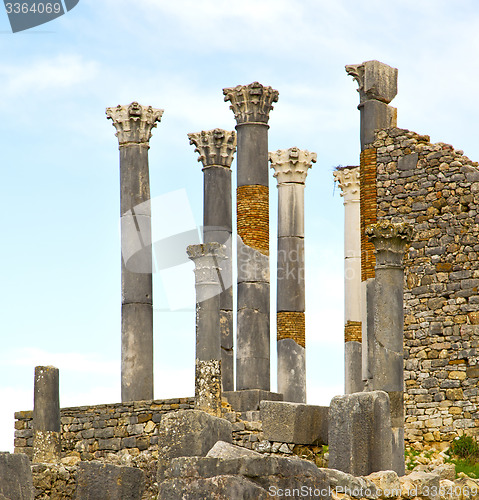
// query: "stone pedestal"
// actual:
[[216, 149], [360, 433], [251, 105], [134, 124], [291, 168], [46, 415], [390, 241], [348, 180], [207, 258]]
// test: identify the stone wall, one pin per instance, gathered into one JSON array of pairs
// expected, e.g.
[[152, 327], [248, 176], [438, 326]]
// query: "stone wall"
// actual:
[[91, 432], [436, 189]]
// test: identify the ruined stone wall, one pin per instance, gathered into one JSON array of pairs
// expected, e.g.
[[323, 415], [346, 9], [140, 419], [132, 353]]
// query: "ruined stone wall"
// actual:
[[436, 189], [91, 432]]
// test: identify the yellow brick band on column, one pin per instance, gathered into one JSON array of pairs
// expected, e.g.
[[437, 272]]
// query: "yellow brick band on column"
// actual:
[[291, 325], [252, 206], [352, 331], [368, 204]]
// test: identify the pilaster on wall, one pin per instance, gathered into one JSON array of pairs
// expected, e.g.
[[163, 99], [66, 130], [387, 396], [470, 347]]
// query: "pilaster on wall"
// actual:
[[368, 203]]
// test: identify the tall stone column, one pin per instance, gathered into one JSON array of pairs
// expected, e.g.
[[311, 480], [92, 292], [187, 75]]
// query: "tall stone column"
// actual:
[[291, 168], [390, 242], [46, 415], [207, 258], [251, 105], [134, 124], [348, 180], [216, 149], [377, 88]]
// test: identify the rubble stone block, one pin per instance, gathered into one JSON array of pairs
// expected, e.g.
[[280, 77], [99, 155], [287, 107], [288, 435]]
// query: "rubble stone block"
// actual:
[[16, 481], [100, 481], [249, 399], [360, 435], [218, 487], [294, 422], [189, 433]]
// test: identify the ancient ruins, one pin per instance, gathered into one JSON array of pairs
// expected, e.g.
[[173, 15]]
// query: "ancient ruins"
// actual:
[[411, 275]]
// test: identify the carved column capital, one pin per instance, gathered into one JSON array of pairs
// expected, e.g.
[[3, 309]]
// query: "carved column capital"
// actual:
[[291, 165], [376, 80], [206, 257], [348, 180], [215, 147], [134, 122], [390, 241], [251, 103]]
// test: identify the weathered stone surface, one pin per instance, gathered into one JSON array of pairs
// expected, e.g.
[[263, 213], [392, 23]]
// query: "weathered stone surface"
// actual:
[[353, 367], [291, 370], [227, 450], [189, 433], [250, 399], [270, 473], [294, 422], [15, 477], [420, 484], [347, 484], [101, 481], [360, 436], [214, 488]]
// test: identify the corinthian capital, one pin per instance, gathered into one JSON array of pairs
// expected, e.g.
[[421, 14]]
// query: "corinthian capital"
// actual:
[[376, 80], [348, 180], [291, 165], [215, 147], [390, 242], [134, 122], [251, 103]]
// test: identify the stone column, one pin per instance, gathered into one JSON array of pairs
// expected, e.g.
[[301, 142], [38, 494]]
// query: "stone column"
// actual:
[[251, 105], [206, 258], [291, 168], [390, 242], [134, 124], [348, 180], [377, 88], [216, 149], [46, 415]]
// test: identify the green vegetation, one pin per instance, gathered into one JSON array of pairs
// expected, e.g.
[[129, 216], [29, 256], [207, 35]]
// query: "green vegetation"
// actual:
[[464, 454]]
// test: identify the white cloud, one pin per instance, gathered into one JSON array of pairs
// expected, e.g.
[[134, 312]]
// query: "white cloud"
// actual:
[[48, 74]]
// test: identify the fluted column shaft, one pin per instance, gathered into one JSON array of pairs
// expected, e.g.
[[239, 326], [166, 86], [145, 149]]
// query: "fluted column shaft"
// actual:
[[291, 168], [251, 105], [216, 149], [134, 124], [348, 181], [390, 242], [207, 258]]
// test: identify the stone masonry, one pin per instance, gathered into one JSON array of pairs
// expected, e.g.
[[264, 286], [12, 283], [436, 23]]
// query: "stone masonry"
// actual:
[[435, 188]]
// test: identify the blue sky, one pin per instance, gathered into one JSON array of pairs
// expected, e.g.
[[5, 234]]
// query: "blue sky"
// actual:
[[60, 251]]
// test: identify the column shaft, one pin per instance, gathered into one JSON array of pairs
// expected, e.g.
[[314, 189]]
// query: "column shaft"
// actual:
[[291, 167], [251, 105], [207, 258], [348, 180], [134, 124], [390, 241], [46, 415]]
